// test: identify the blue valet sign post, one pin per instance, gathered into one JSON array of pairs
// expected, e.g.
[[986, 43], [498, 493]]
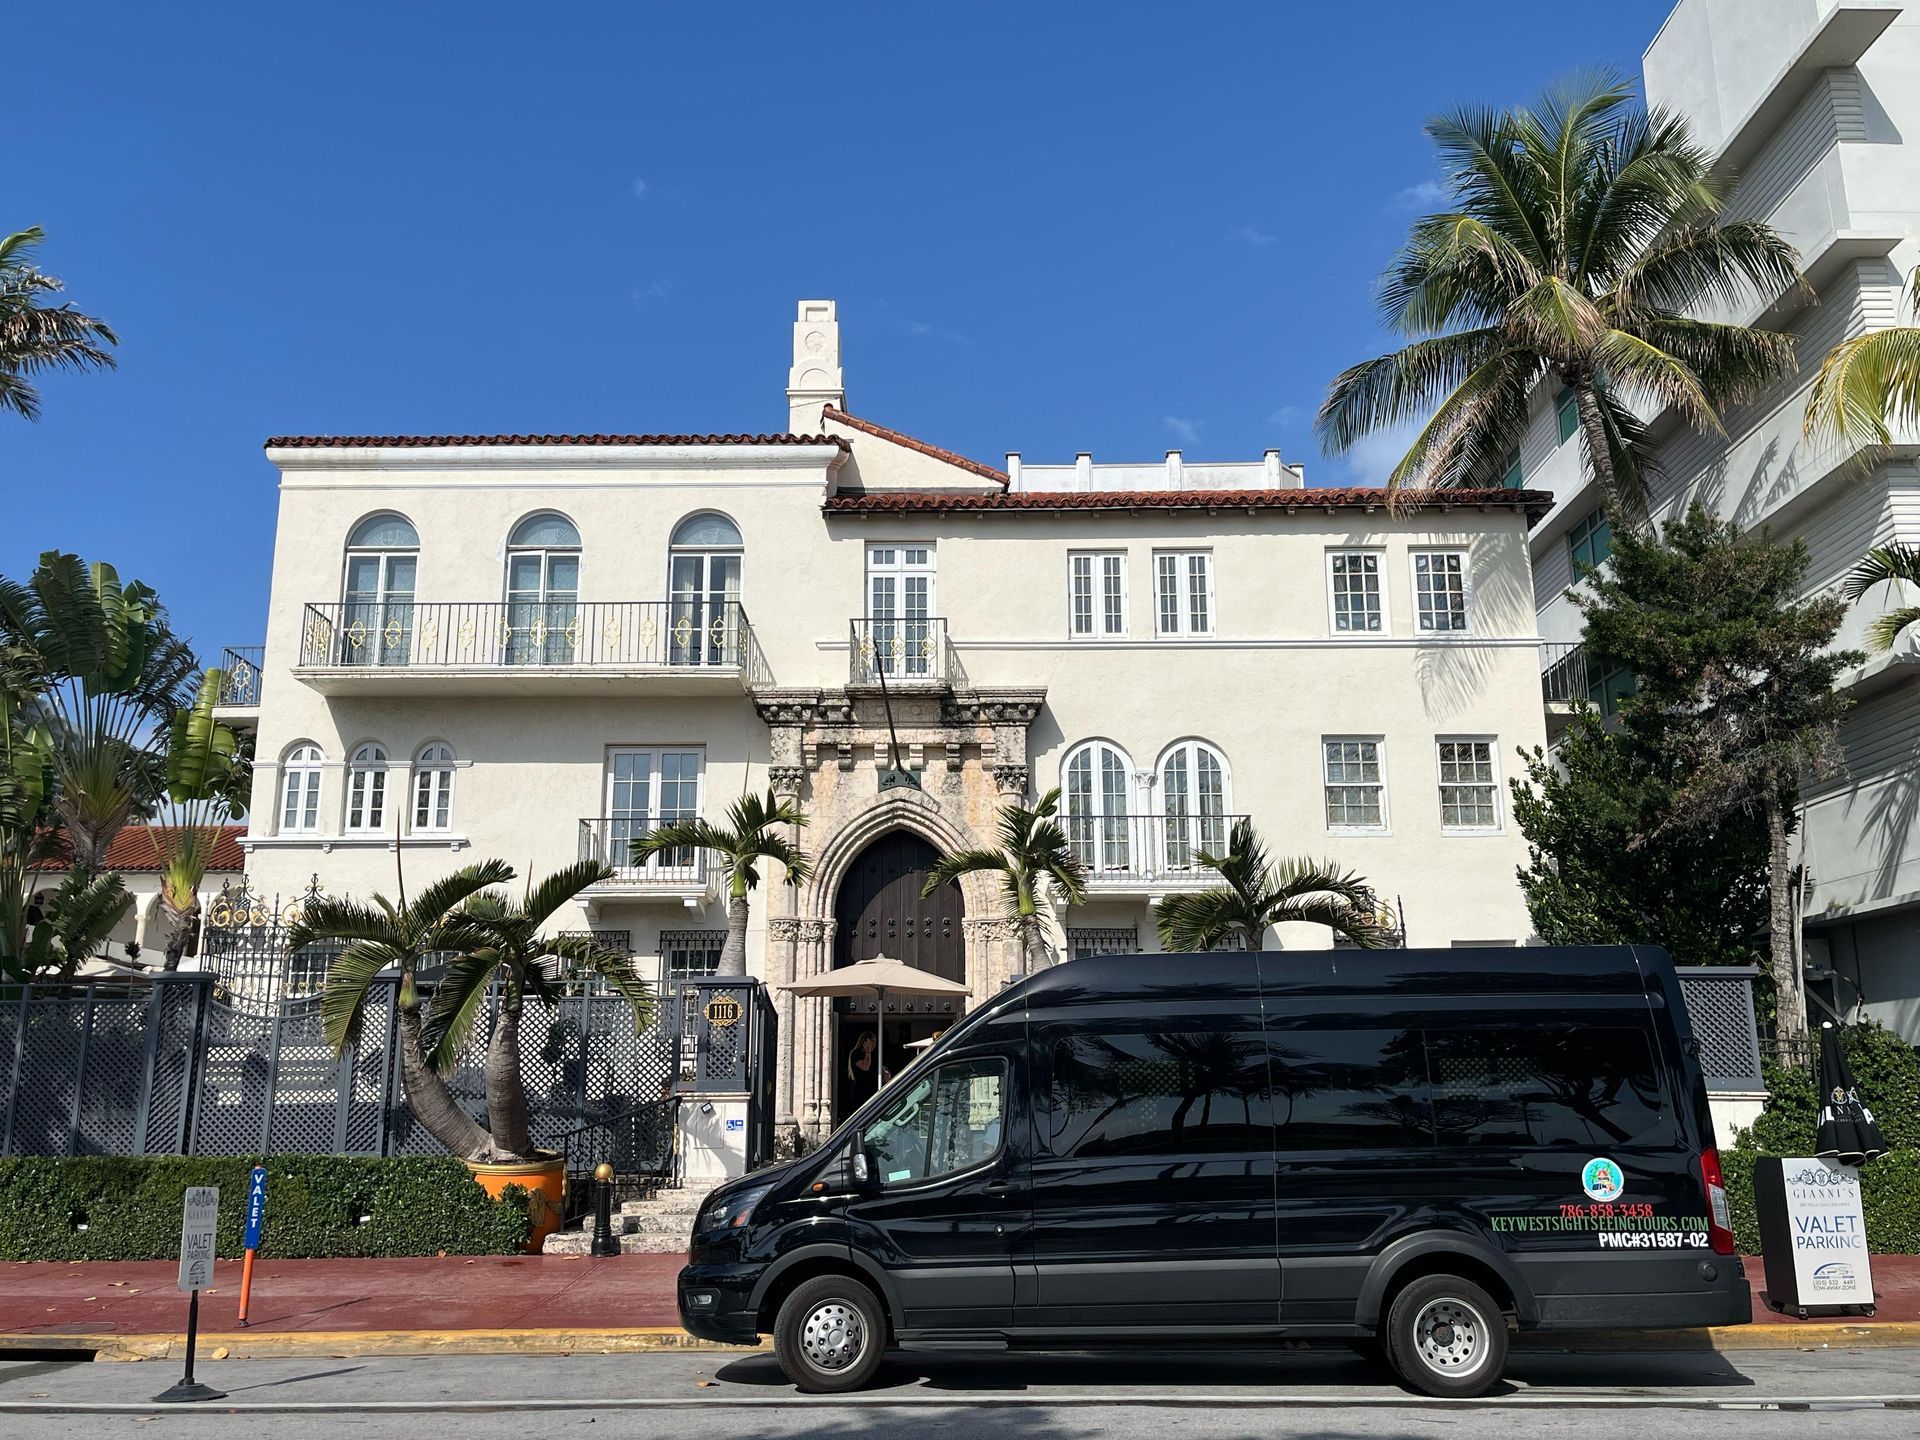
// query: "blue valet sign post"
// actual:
[[199, 1220]]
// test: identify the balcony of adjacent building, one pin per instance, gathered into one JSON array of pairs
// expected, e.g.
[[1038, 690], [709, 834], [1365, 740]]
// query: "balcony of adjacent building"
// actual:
[[694, 646], [1570, 681], [241, 669], [672, 877], [1148, 855], [905, 652]]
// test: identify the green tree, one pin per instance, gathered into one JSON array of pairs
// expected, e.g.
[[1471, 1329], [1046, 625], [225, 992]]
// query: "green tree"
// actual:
[[1734, 684], [1583, 232], [1257, 895], [752, 835], [1869, 385], [35, 336], [1034, 862]]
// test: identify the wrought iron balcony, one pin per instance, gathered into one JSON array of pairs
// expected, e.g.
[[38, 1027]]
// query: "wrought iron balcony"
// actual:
[[690, 646], [1563, 676], [679, 874], [902, 650], [1152, 852], [240, 675]]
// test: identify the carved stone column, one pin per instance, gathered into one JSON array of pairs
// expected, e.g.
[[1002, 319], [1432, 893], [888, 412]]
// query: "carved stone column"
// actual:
[[783, 940], [993, 955], [813, 1031]]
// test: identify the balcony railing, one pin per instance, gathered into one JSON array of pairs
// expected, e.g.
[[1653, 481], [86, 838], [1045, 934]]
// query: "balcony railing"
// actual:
[[1148, 849], [609, 839], [905, 649], [1563, 675], [240, 671], [689, 634]]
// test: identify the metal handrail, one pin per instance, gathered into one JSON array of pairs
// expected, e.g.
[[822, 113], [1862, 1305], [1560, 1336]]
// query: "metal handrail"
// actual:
[[1563, 674], [609, 839], [1117, 848], [580, 1154], [241, 667], [910, 649]]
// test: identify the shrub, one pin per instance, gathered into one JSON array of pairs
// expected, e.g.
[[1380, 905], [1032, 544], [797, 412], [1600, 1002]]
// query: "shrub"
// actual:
[[108, 1207], [1889, 1200]]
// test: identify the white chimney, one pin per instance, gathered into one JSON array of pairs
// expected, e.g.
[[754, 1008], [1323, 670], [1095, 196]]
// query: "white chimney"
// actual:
[[816, 380]]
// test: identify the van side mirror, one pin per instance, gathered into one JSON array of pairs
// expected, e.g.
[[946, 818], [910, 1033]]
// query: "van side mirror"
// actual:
[[857, 1169], [848, 1175]]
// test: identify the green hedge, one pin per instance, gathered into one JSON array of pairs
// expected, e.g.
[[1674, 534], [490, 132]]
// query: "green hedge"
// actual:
[[104, 1207], [1889, 1199]]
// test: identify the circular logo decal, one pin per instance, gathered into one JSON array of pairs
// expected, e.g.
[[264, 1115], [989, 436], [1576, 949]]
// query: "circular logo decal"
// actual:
[[1601, 1180]]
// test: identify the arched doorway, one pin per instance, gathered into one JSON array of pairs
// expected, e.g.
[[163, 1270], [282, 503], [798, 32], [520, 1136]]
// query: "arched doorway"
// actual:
[[878, 910]]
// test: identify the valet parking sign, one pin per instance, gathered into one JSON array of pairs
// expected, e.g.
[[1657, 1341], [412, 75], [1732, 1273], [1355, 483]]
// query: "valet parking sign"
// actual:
[[1828, 1232]]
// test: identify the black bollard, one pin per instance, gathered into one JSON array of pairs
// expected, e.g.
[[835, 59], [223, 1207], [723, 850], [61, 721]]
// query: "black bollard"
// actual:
[[604, 1241]]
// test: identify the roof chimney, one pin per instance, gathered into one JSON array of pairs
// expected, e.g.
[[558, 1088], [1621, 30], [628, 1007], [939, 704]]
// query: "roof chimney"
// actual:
[[815, 381]]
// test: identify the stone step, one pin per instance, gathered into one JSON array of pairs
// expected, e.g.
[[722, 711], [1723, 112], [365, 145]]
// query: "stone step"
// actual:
[[580, 1242]]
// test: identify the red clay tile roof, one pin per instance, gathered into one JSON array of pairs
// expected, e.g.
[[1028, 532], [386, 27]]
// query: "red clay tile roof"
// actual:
[[1536, 503], [421, 442], [132, 850], [977, 467]]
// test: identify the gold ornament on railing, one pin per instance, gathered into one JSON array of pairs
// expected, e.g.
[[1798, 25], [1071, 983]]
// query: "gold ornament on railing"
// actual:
[[649, 632], [610, 632], [572, 633], [537, 633], [717, 632], [466, 634], [392, 633], [682, 631], [429, 633], [357, 635]]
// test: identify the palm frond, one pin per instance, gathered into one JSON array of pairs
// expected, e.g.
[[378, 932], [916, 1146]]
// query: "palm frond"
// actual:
[[443, 896], [948, 869], [1886, 628], [1868, 387], [329, 917], [343, 997], [459, 999], [1201, 920], [1405, 385], [1631, 362], [692, 834], [1709, 266], [1883, 565], [557, 889], [582, 954]]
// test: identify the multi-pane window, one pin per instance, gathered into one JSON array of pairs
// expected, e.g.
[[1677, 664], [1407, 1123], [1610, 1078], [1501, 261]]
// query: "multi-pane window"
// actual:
[[1097, 592], [1355, 784], [900, 609], [433, 788], [1512, 476], [1183, 592], [1439, 591], [300, 790], [645, 790], [367, 789], [1469, 788], [1567, 409], [1193, 803], [1590, 541], [1099, 783], [1358, 606], [691, 953]]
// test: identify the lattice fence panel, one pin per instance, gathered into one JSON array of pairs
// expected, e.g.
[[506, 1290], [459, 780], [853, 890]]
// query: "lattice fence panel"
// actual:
[[1720, 1008], [53, 1028], [235, 1081], [304, 1112], [367, 1077], [175, 1008], [109, 1113]]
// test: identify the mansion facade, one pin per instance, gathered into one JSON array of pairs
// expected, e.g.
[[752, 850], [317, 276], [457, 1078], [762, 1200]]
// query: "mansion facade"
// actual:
[[540, 647]]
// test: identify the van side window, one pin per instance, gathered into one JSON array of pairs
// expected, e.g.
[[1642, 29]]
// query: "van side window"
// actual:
[[1585, 1087], [1349, 1089], [950, 1120], [1160, 1093]]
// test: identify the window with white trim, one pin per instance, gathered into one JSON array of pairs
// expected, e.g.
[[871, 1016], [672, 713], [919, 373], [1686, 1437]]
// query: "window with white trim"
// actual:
[[1469, 785], [300, 789], [1183, 592], [1193, 802], [1099, 786], [433, 788], [367, 790], [648, 788], [1356, 784], [692, 953], [1357, 595], [1439, 591], [1097, 593]]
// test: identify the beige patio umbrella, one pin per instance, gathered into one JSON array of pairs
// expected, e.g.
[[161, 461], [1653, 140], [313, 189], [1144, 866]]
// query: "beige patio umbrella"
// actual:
[[879, 977]]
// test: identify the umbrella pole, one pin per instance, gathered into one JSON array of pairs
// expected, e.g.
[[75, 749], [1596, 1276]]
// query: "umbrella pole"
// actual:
[[880, 1027]]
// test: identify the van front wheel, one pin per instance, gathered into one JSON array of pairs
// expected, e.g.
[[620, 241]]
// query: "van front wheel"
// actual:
[[830, 1335], [1445, 1336]]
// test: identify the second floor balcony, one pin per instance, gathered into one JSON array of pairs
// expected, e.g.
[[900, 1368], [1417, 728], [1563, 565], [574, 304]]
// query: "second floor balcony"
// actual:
[[690, 646], [899, 651], [673, 876], [238, 702], [1148, 854]]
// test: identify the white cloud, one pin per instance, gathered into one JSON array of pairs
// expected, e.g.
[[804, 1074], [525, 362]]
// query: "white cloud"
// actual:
[[1255, 236], [1422, 196], [653, 290], [1187, 430], [1372, 457], [933, 332], [640, 188], [1286, 415]]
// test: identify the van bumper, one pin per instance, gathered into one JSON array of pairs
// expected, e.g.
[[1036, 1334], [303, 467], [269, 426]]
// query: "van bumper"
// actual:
[[716, 1302], [1613, 1291]]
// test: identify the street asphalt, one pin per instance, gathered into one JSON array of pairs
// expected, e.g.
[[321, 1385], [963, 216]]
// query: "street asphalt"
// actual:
[[1329, 1394]]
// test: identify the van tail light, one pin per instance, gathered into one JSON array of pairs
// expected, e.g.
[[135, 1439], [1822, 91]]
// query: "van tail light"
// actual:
[[1719, 1217]]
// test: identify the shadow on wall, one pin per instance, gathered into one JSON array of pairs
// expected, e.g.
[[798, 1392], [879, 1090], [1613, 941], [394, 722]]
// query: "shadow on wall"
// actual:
[[1453, 677]]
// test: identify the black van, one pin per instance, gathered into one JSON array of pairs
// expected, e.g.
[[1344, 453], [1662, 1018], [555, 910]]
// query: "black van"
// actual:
[[1415, 1151]]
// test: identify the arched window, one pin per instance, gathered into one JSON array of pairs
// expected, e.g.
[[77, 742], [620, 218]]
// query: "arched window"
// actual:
[[543, 591], [433, 788], [376, 611], [1099, 785], [703, 581], [300, 789], [367, 789], [1193, 802]]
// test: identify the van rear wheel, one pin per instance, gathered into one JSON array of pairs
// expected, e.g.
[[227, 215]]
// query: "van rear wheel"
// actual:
[[1445, 1336], [830, 1335]]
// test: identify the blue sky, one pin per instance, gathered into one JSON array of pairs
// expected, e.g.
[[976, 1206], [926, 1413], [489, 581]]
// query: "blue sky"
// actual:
[[1050, 227]]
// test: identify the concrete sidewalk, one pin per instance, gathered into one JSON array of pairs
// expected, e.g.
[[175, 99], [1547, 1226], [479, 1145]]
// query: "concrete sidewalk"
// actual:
[[551, 1303]]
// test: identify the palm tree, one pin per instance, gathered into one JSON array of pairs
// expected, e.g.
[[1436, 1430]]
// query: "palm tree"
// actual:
[[385, 936], [208, 775], [752, 835], [35, 336], [1886, 565], [1583, 232], [505, 946], [1258, 895], [1033, 860], [1870, 384]]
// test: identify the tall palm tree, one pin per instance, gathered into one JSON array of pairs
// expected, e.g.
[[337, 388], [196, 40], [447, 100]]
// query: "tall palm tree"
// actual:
[[1870, 384], [1886, 565], [1258, 895], [504, 944], [752, 835], [385, 936], [36, 336], [1584, 232], [1034, 860], [209, 775]]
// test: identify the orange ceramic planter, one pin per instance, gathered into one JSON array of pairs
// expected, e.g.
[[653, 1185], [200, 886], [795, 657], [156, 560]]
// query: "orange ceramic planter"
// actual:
[[544, 1180]]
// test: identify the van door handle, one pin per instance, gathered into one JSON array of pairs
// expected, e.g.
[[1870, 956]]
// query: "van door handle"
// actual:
[[999, 1187]]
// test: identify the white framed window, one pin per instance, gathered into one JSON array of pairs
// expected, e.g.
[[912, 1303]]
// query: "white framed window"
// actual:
[[1469, 784], [367, 790], [543, 591], [690, 954], [1099, 784], [1355, 775], [705, 560], [300, 789], [1193, 802], [1356, 592], [1183, 592], [376, 599], [433, 788], [648, 787], [901, 580], [1440, 592], [1097, 593]]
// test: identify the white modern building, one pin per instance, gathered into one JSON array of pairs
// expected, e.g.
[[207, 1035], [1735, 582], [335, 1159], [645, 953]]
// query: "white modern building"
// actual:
[[1810, 103], [539, 647]]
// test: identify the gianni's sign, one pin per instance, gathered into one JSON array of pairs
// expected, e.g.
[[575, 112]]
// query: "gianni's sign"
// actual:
[[1813, 1234]]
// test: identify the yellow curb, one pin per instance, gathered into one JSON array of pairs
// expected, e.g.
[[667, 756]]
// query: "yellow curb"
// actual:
[[1867, 1335], [269, 1344]]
